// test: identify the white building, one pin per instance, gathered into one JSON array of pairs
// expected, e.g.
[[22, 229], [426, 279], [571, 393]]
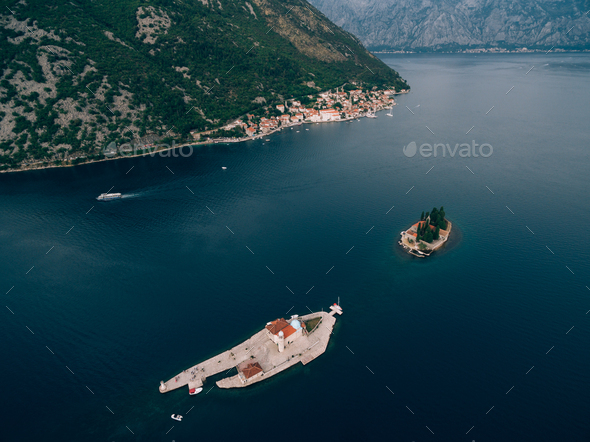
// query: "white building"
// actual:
[[329, 115]]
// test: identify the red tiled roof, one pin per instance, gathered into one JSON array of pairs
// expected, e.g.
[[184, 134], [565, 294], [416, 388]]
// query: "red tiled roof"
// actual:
[[277, 325], [288, 331], [250, 369], [422, 222]]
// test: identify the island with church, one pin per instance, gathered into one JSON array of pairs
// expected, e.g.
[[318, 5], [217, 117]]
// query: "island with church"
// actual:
[[427, 235], [278, 346]]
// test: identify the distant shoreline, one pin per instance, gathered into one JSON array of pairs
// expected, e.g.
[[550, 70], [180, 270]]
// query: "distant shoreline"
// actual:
[[488, 51]]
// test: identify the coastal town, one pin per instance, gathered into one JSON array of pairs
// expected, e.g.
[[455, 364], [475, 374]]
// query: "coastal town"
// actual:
[[329, 106], [325, 107]]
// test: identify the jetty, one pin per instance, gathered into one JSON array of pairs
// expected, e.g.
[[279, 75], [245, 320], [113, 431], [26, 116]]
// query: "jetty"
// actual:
[[278, 346]]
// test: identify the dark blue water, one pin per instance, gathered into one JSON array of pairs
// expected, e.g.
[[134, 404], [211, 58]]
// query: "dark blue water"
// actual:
[[144, 287]]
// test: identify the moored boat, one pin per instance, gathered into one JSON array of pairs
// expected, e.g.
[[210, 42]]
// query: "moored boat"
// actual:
[[194, 391]]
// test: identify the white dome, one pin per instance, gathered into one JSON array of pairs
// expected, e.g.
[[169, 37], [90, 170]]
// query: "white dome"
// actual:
[[296, 324]]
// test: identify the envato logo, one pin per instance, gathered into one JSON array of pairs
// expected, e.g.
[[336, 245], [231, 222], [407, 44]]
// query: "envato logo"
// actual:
[[464, 150], [134, 149]]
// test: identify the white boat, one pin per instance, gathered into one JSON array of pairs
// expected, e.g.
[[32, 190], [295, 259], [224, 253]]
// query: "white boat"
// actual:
[[389, 114], [176, 417], [194, 391], [108, 196], [223, 167]]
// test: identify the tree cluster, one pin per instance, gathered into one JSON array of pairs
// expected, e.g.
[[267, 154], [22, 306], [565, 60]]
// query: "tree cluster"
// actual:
[[431, 224]]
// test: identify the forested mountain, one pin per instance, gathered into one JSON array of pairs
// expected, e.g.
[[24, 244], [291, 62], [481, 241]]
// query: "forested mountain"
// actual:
[[77, 75], [463, 24]]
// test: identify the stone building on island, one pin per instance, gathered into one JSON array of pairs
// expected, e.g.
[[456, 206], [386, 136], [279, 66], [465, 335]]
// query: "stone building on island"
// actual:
[[284, 333], [248, 370]]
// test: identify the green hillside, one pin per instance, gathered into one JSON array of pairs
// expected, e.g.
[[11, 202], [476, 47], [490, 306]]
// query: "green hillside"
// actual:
[[79, 75]]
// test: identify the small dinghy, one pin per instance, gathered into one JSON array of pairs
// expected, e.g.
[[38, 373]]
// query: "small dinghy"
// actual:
[[194, 391], [223, 167], [176, 417]]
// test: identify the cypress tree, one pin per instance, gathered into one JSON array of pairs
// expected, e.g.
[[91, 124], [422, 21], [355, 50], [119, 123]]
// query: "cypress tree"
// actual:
[[422, 216], [437, 233]]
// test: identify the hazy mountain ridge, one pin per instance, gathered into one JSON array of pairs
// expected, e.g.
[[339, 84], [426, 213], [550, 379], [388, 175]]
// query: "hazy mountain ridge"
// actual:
[[79, 75], [461, 24]]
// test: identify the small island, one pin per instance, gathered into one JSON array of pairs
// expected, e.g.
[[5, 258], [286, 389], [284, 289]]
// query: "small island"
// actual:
[[278, 346], [427, 235]]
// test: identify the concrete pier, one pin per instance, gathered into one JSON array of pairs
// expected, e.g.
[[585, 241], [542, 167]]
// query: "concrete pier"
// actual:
[[263, 352]]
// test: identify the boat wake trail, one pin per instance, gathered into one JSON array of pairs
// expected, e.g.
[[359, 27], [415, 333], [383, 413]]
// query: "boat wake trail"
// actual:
[[131, 195]]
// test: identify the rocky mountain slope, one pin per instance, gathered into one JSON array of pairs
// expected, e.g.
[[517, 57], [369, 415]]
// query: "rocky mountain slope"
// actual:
[[462, 24], [78, 75]]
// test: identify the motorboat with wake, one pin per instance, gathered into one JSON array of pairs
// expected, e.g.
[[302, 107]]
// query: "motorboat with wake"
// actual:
[[108, 196]]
